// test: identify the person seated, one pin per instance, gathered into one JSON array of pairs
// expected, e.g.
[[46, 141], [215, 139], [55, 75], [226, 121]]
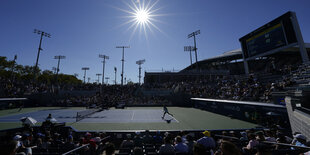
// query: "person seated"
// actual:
[[127, 143], [11, 148], [110, 149], [190, 143], [251, 146], [299, 140], [180, 147], [207, 141], [48, 122], [199, 149], [69, 145], [166, 148], [157, 139], [147, 138], [49, 117], [138, 140], [227, 147], [138, 151]]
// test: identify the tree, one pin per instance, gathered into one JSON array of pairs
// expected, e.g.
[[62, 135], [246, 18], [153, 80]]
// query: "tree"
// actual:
[[25, 73]]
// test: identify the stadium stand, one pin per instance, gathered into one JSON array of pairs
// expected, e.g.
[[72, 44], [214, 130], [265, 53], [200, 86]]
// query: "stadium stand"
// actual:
[[64, 140]]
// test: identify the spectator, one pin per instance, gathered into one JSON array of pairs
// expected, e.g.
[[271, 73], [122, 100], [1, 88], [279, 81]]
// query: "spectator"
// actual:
[[96, 138], [109, 149], [39, 143], [180, 147], [138, 140], [190, 143], [244, 136], [207, 141], [263, 149], [301, 140], [128, 143], [260, 136], [269, 136], [157, 139], [199, 149], [147, 138], [57, 141], [20, 148], [137, 151], [252, 143], [227, 147], [87, 138], [69, 145], [281, 139], [166, 148], [11, 148]]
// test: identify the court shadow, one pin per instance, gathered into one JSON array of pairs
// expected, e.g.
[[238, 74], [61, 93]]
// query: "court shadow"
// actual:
[[168, 120]]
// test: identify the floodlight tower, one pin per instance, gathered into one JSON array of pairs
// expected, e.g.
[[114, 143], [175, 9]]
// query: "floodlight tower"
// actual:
[[39, 49], [115, 70], [193, 34], [88, 79], [190, 49], [58, 57], [140, 62], [85, 69], [103, 64], [12, 69], [107, 78], [122, 74], [98, 76]]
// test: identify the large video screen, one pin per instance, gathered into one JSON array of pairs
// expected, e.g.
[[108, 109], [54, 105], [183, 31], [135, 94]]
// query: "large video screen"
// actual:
[[275, 34]]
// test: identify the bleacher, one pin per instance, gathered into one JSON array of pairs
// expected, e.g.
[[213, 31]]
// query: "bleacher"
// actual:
[[301, 76], [91, 146]]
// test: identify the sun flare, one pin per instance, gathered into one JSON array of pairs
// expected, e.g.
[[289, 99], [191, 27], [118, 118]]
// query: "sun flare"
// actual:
[[142, 16]]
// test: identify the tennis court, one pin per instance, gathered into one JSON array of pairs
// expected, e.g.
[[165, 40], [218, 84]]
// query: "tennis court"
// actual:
[[132, 118], [106, 116]]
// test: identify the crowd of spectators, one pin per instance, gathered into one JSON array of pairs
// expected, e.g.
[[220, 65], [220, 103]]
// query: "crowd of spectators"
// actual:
[[79, 100], [22, 88], [251, 88], [225, 87], [49, 139], [111, 96], [219, 87], [17, 88]]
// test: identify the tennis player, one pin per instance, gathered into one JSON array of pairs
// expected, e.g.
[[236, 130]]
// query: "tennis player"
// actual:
[[165, 109]]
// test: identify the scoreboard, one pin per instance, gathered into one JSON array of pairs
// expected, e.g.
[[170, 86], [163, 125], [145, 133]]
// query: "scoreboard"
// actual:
[[270, 37], [266, 40]]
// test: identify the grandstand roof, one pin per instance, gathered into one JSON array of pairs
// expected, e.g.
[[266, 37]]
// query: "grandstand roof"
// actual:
[[241, 102], [227, 55], [237, 54]]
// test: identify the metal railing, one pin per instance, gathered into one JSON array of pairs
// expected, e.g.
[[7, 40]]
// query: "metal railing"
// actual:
[[78, 148], [267, 142]]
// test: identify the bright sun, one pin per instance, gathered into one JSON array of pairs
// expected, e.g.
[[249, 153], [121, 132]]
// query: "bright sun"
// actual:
[[142, 16]]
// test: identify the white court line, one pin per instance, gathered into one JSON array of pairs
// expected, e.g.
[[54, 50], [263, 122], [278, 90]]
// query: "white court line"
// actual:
[[133, 114], [175, 119]]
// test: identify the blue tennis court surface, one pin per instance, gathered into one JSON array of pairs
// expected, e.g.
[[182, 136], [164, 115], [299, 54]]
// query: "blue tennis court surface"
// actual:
[[106, 116]]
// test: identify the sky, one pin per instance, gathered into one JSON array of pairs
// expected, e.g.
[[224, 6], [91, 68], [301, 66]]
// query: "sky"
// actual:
[[83, 29]]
